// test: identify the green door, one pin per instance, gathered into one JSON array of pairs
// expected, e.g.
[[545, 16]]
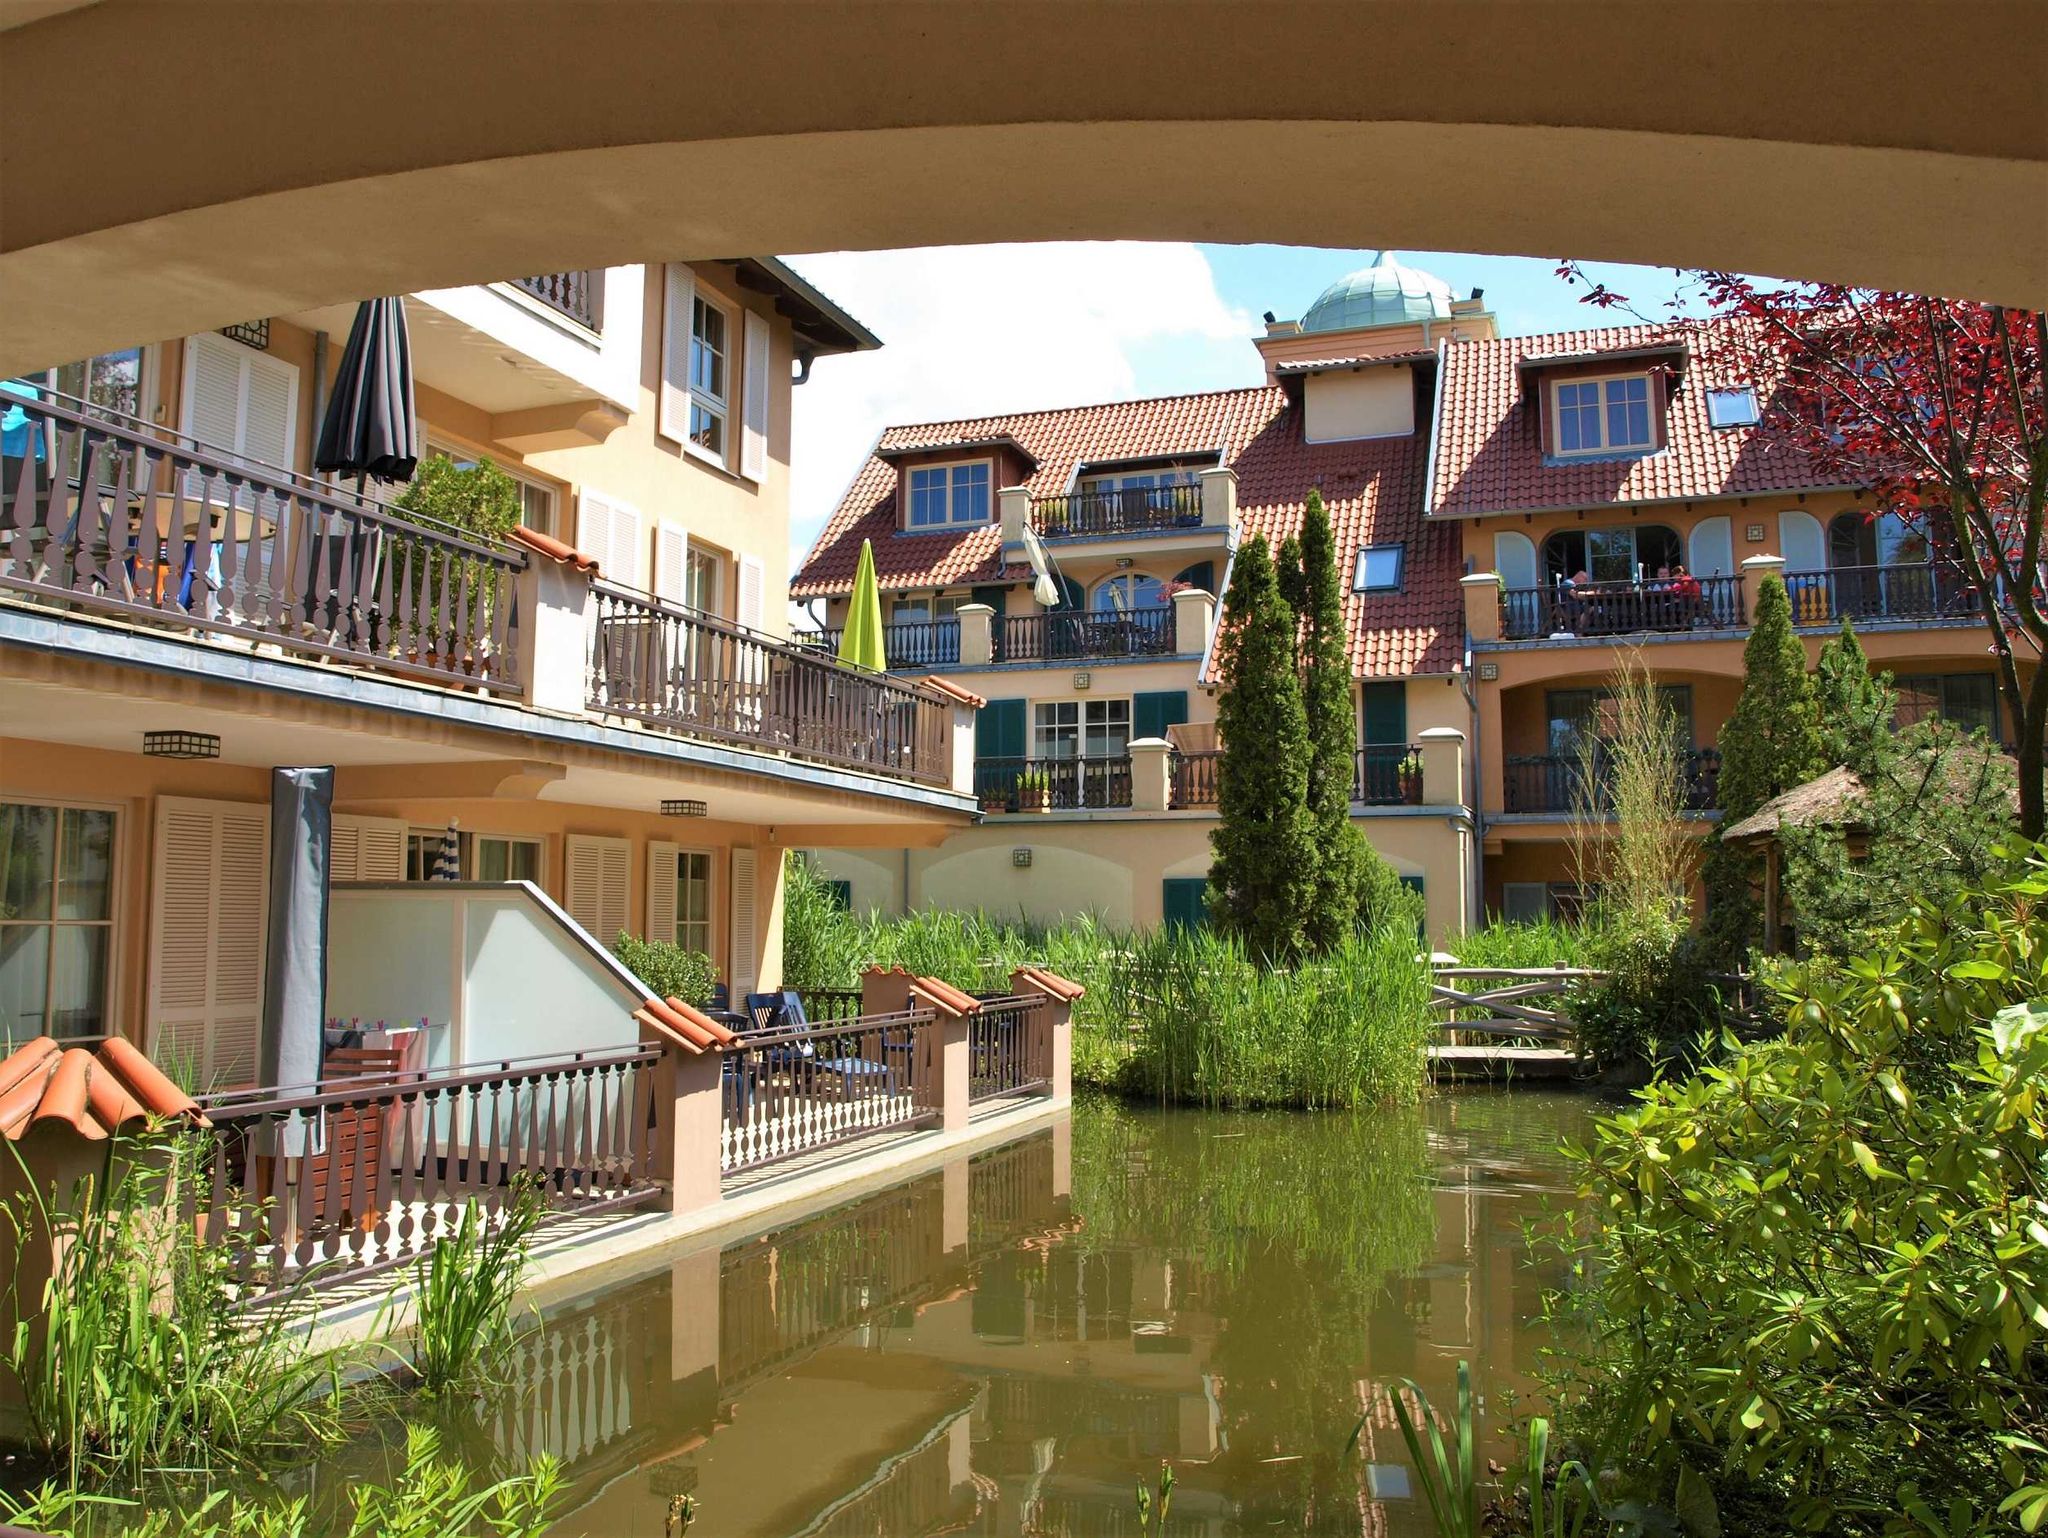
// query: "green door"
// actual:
[[999, 737], [1152, 714], [1184, 901], [1384, 716]]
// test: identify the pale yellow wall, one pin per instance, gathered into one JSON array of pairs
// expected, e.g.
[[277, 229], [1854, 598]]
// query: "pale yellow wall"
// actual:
[[1359, 403]]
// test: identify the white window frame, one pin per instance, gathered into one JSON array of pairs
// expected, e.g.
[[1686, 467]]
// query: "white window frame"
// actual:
[[117, 896], [1359, 584], [472, 856], [1603, 405], [701, 397], [1103, 481], [715, 560], [463, 455], [952, 520], [1741, 398], [1044, 734]]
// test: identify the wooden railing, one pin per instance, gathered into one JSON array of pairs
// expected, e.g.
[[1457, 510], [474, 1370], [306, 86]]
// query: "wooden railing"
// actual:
[[578, 295], [105, 516], [1009, 1047], [355, 1176], [686, 672], [1052, 784], [1085, 514], [1621, 608], [1194, 778], [1066, 636], [1552, 782], [1387, 774], [791, 1092], [1923, 590]]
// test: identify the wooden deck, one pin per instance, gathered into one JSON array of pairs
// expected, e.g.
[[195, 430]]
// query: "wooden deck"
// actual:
[[1490, 1061], [1519, 1016]]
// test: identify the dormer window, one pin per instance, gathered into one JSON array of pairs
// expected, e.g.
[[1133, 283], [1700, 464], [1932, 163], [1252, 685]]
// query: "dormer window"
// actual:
[[1732, 407], [1604, 416], [949, 496], [1379, 569]]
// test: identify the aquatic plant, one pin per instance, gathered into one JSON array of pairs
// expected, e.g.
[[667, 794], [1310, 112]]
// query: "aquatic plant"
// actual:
[[1449, 1476], [1146, 1501], [464, 1286]]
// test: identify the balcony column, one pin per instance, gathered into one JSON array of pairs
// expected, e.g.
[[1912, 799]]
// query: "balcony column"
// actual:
[[1057, 1021], [688, 1122], [1151, 774], [1219, 499], [1194, 613], [1754, 570], [1013, 505], [1482, 605], [558, 615], [977, 635], [1443, 766]]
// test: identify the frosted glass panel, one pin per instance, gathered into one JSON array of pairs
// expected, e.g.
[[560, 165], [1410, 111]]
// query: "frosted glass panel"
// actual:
[[532, 990]]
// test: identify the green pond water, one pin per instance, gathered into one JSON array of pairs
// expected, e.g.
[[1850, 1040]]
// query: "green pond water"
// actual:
[[1004, 1345]]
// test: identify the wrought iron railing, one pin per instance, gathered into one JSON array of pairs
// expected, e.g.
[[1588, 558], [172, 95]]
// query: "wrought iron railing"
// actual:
[[689, 673], [1066, 636], [1622, 608], [578, 294], [1194, 778], [1052, 784], [105, 516], [355, 1176], [794, 1091], [1917, 591], [1387, 774], [1009, 1047], [1558, 782], [1136, 510], [831, 1006], [905, 643]]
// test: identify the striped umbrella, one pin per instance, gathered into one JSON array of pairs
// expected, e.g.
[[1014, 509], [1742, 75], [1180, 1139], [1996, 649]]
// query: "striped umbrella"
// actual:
[[448, 858]]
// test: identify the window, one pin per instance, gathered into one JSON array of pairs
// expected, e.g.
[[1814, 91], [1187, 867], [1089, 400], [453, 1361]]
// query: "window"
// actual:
[[56, 920], [710, 380], [112, 381], [693, 901], [1140, 480], [1122, 594], [1379, 569], [701, 573], [480, 856], [1576, 714], [1612, 555], [1969, 700], [942, 495], [1600, 416], [1081, 729], [922, 608], [537, 499], [240, 402], [1733, 407]]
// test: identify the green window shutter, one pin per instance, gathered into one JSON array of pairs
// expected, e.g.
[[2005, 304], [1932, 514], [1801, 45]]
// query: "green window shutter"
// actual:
[[1415, 885], [1202, 575], [999, 729], [1152, 714], [994, 597], [1184, 901], [1385, 713]]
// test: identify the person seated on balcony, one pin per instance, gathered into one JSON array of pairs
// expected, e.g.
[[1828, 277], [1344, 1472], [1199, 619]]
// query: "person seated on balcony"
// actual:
[[1574, 601], [1685, 595]]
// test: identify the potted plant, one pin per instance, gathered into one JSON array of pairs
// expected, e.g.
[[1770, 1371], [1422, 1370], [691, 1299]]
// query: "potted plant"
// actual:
[[1034, 791], [1411, 778], [994, 799]]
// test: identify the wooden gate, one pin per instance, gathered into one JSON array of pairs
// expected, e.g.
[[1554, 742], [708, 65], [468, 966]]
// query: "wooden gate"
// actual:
[[1512, 1019]]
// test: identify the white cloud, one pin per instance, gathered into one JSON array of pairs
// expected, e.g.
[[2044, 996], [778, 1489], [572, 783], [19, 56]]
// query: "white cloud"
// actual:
[[977, 330]]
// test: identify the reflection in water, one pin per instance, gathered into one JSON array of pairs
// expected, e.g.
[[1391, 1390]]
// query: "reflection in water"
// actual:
[[1004, 1346]]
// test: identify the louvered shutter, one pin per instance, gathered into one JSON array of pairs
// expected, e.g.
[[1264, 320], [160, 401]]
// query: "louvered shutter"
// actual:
[[679, 295], [599, 871], [366, 849], [1152, 714], [239, 402], [661, 892], [610, 530], [1383, 714], [753, 584], [754, 382], [209, 890], [744, 971], [671, 562]]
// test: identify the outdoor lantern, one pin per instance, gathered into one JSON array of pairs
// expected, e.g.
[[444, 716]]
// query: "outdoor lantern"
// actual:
[[180, 745], [685, 808], [1021, 858]]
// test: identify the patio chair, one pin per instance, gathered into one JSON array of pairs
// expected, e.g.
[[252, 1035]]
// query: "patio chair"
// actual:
[[784, 1011]]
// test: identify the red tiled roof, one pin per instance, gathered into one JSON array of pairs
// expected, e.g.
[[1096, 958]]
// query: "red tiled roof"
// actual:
[[1489, 457], [95, 1094], [683, 1024], [1049, 983], [1372, 489], [954, 691], [944, 996], [553, 549]]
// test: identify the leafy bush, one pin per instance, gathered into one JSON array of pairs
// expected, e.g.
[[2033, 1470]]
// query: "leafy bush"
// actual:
[[669, 969], [1822, 1267]]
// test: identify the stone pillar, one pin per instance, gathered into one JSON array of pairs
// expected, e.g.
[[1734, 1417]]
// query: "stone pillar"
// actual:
[[1219, 499], [557, 624], [1482, 605], [1194, 615], [1443, 766], [955, 1204], [885, 992], [1151, 774], [1013, 503], [689, 1118], [1754, 570], [977, 635], [963, 755], [949, 1033], [1058, 1018]]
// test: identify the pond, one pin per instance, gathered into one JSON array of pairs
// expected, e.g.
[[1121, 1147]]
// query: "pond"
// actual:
[[1004, 1345]]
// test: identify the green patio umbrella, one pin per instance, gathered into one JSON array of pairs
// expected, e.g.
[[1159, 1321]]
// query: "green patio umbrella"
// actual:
[[860, 644]]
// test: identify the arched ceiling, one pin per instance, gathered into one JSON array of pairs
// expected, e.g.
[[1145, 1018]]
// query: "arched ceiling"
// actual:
[[171, 166]]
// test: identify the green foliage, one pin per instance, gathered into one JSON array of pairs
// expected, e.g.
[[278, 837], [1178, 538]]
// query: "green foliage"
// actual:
[[1264, 876], [820, 939], [1821, 1267], [476, 499], [1855, 708], [1449, 1476], [1536, 943], [669, 969], [1145, 1502], [464, 1286]]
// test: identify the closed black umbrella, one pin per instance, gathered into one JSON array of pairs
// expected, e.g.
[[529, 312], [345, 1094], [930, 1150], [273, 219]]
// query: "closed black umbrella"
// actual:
[[370, 429]]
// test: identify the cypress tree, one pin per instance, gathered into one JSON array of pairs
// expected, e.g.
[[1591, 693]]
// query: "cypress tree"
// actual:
[[1855, 708], [1265, 841], [1289, 573], [1770, 742]]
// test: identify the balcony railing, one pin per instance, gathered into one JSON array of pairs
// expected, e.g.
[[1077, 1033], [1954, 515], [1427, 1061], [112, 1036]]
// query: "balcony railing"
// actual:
[[1052, 784], [1922, 590], [1194, 778], [1387, 774], [107, 516], [1009, 1047], [686, 672], [1090, 637], [578, 295], [1137, 510], [1552, 783], [1622, 608], [905, 643]]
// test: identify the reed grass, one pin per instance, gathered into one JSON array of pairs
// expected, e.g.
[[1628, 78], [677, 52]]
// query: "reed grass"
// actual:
[[464, 1289]]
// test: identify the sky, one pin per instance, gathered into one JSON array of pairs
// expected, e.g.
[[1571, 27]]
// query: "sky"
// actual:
[[976, 330]]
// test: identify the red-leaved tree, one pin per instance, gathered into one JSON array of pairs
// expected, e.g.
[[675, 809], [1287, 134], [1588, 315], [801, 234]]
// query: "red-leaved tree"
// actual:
[[1940, 408]]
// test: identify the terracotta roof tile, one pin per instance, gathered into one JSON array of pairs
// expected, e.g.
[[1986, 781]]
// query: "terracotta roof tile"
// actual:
[[553, 549], [1489, 458], [1039, 980], [947, 687], [96, 1093], [943, 996], [684, 1025]]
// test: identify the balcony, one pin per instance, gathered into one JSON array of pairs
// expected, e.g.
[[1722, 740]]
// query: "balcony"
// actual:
[[578, 295], [1089, 637], [1053, 784], [1381, 775], [906, 644], [1604, 609], [1101, 514], [1550, 783], [1925, 590]]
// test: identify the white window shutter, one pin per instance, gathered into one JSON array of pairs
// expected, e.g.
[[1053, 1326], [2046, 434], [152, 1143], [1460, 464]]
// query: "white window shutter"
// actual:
[[753, 583], [212, 404], [596, 887], [610, 530], [367, 849], [743, 973], [209, 893], [671, 562], [679, 295], [661, 892], [270, 409], [754, 381]]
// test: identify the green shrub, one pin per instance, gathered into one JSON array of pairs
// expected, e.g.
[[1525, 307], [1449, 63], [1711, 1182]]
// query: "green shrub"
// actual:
[[820, 940], [1821, 1267], [669, 969]]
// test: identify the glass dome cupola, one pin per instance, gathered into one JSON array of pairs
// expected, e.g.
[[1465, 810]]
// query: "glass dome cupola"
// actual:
[[1382, 294]]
